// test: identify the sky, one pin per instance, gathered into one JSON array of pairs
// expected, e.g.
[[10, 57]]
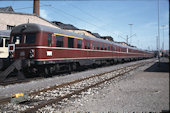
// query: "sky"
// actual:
[[108, 18]]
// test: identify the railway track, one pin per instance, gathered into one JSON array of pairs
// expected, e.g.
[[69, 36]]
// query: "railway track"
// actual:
[[55, 94], [15, 80]]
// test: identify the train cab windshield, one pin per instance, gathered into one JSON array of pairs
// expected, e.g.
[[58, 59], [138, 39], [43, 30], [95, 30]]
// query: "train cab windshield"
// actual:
[[16, 39], [26, 38]]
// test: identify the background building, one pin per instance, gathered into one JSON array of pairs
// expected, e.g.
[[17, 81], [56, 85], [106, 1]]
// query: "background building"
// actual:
[[74, 29], [10, 19]]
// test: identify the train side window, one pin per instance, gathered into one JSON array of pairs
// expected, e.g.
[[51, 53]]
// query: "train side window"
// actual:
[[85, 44], [78, 43], [1, 42], [30, 38], [70, 42], [59, 41], [88, 45], [112, 48], [109, 47], [6, 42], [97, 46], [93, 45], [101, 46], [105, 47], [49, 40], [125, 50]]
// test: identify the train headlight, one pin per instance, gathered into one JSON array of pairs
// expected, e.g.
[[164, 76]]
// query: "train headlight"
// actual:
[[32, 53], [11, 47]]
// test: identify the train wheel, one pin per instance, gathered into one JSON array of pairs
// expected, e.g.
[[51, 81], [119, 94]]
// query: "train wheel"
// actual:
[[74, 66], [47, 72]]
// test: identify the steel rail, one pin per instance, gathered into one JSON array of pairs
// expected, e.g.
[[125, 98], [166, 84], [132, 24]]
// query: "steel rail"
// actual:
[[6, 100], [58, 99], [74, 81]]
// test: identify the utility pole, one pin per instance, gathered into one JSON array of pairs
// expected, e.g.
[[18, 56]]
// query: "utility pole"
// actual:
[[128, 36], [158, 36], [130, 30], [127, 40], [157, 45], [163, 26]]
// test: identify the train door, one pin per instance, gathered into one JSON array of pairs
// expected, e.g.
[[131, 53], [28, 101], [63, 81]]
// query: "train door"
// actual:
[[4, 47]]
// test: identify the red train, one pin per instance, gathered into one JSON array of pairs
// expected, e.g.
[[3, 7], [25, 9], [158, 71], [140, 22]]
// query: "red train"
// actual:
[[48, 50]]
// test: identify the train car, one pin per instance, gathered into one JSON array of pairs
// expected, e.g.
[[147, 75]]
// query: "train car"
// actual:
[[48, 50], [4, 40]]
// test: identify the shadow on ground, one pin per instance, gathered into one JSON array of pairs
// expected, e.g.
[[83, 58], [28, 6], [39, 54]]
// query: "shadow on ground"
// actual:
[[159, 67]]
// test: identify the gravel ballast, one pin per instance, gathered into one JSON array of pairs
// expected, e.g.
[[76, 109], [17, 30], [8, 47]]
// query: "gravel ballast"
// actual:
[[9, 90], [138, 91], [134, 92]]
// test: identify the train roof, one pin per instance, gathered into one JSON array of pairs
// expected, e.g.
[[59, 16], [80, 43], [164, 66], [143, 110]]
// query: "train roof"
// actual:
[[5, 33], [32, 27]]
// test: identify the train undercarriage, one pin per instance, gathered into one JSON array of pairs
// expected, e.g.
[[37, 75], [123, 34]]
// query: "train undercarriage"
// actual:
[[23, 68]]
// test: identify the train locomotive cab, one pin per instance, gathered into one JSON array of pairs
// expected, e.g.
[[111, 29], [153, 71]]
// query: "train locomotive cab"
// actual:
[[23, 39], [26, 44]]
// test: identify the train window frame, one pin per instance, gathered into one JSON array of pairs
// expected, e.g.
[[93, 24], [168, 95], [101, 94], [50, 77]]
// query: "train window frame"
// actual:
[[49, 40], [88, 45], [114, 48], [85, 44], [93, 45], [105, 46], [1, 42], [6, 42], [101, 46], [70, 42], [109, 47], [79, 43], [124, 50], [119, 49], [98, 46], [59, 41], [14, 37]]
